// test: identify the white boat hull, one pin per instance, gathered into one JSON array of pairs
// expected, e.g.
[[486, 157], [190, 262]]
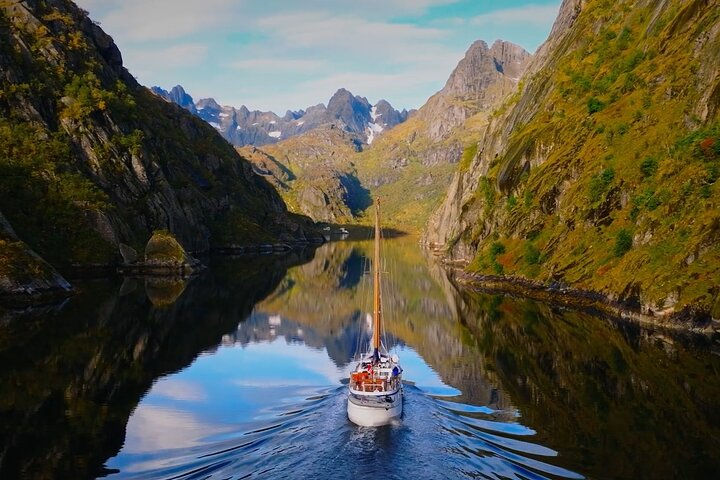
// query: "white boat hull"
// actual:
[[374, 411]]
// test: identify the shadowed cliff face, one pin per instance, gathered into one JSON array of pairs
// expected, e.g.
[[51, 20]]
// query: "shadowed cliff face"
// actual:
[[22, 271], [602, 172], [92, 158], [71, 375]]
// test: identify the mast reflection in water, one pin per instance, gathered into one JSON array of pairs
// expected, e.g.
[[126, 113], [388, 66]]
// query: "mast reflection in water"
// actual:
[[199, 380]]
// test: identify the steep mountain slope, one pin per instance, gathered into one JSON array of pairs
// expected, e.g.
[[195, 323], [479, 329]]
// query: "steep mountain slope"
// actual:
[[90, 159], [315, 173], [241, 126], [412, 165], [602, 172]]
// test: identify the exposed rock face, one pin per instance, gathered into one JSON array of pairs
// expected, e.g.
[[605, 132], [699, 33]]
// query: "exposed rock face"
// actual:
[[412, 165], [480, 82], [353, 111], [601, 173], [129, 255], [241, 126], [22, 271], [100, 160], [315, 173], [177, 95]]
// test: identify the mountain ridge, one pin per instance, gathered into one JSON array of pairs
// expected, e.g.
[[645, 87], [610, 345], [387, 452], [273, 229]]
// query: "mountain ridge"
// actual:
[[409, 166], [241, 126]]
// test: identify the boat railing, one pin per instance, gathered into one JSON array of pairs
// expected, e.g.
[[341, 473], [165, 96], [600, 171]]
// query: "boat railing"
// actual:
[[372, 385]]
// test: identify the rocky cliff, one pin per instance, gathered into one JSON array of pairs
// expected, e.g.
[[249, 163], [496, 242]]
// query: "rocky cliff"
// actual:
[[22, 271], [601, 173], [481, 82], [90, 159], [412, 165]]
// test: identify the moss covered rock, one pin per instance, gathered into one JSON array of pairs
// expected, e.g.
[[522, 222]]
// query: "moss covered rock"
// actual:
[[163, 253]]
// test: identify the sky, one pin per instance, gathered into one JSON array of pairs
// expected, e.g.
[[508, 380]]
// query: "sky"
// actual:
[[290, 54]]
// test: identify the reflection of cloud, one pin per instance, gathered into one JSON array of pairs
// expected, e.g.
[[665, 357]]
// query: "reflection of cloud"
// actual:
[[294, 360], [152, 428], [176, 389]]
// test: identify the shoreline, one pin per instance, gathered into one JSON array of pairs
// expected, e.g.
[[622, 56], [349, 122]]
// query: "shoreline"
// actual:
[[689, 319], [37, 299]]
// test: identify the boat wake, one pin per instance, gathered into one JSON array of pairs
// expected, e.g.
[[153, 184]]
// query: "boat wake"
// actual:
[[306, 434]]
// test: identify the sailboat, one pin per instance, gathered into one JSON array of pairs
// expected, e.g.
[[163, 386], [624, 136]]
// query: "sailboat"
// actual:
[[375, 394]]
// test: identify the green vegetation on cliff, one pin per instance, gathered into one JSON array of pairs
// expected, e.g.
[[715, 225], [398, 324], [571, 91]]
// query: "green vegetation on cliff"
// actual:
[[90, 159], [613, 144]]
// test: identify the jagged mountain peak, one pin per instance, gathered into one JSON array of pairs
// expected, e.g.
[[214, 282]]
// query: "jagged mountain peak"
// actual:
[[482, 64], [482, 79], [208, 103], [241, 126]]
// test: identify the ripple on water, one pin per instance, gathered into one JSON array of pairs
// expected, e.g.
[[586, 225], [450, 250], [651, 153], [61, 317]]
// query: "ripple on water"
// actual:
[[308, 435]]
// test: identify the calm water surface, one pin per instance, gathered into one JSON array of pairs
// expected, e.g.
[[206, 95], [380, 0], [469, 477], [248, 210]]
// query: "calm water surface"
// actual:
[[238, 374]]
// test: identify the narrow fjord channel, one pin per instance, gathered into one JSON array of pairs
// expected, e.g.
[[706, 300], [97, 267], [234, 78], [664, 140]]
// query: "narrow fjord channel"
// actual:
[[238, 373]]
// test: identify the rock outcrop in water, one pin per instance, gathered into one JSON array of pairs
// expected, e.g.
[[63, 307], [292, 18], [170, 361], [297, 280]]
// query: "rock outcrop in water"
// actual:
[[601, 173], [90, 159], [22, 271]]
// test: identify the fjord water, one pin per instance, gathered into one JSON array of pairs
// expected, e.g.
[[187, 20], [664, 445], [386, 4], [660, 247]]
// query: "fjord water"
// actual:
[[238, 373]]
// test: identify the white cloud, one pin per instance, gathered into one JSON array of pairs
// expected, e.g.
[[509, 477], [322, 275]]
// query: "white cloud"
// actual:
[[140, 20], [382, 8], [342, 33], [146, 62], [279, 64], [537, 15]]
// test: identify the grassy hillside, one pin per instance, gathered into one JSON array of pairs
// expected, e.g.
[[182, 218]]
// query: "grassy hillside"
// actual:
[[603, 174], [411, 172]]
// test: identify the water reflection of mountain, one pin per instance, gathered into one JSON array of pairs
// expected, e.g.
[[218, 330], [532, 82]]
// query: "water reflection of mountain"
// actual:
[[341, 347], [70, 376], [618, 401], [329, 297], [615, 400]]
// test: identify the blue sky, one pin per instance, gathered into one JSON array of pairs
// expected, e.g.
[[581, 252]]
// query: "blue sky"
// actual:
[[290, 54]]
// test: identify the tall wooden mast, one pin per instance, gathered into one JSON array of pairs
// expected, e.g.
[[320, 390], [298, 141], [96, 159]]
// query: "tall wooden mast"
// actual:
[[377, 309]]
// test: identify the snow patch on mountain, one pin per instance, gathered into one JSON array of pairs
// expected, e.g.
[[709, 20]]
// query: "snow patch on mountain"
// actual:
[[275, 134], [373, 128]]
